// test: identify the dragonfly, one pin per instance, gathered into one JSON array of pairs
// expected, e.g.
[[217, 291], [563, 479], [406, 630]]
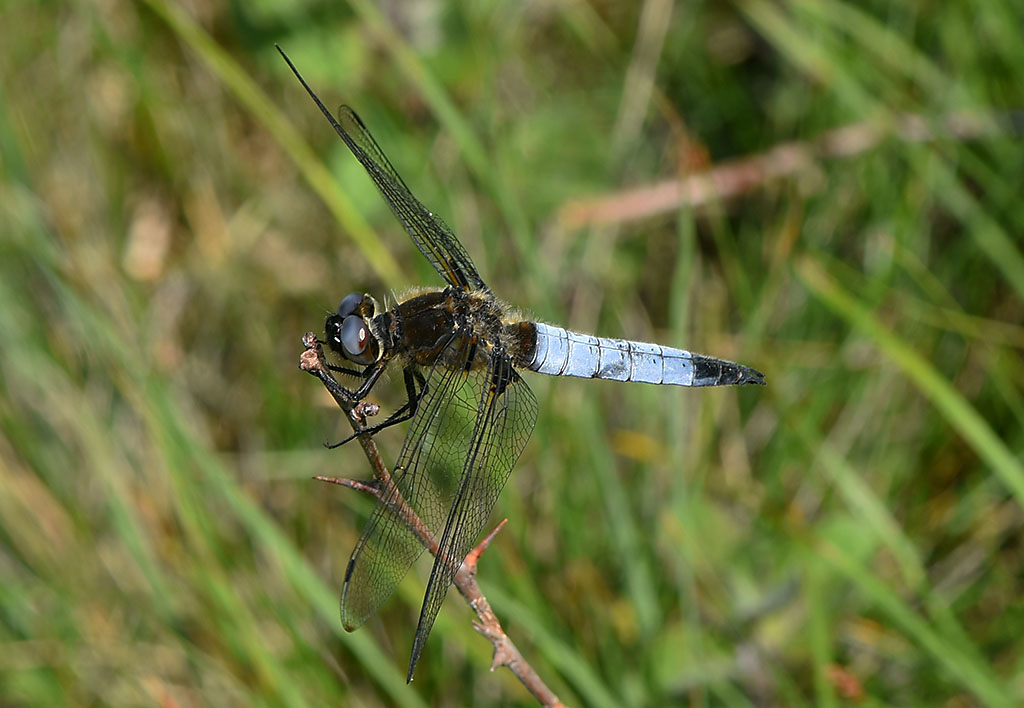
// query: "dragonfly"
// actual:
[[470, 412]]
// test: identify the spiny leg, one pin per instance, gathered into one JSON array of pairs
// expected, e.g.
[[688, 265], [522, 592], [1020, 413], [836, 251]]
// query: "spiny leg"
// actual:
[[343, 370], [408, 410], [371, 374]]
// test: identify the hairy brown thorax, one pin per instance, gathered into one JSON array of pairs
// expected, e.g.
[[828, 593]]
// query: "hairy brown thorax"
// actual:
[[421, 328]]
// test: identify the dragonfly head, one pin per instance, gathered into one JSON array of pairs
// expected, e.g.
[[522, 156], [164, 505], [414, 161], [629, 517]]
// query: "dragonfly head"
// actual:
[[348, 332]]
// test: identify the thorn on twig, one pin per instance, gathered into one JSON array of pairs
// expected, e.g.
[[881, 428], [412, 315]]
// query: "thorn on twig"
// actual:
[[474, 555], [490, 629], [351, 484], [502, 656]]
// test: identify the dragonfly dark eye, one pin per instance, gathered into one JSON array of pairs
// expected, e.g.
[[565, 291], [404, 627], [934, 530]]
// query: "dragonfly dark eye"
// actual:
[[356, 339], [349, 304]]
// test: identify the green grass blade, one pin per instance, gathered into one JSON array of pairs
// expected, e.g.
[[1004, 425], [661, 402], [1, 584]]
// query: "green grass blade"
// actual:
[[957, 411], [971, 674], [249, 93]]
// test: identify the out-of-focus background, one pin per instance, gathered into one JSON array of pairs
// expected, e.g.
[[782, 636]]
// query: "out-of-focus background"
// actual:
[[827, 191]]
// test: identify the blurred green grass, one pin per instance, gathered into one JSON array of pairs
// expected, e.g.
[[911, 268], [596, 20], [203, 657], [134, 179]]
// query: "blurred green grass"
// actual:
[[175, 214]]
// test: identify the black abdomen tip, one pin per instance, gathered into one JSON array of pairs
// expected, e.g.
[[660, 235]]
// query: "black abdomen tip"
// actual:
[[708, 371]]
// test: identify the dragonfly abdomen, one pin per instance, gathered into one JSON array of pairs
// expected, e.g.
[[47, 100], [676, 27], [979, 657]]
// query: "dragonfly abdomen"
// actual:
[[561, 352]]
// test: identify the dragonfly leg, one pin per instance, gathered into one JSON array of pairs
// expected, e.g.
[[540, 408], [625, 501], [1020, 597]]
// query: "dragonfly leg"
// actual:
[[407, 411], [343, 370], [371, 374]]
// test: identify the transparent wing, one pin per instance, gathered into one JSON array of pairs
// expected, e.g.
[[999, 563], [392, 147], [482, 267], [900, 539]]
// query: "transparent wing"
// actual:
[[425, 476], [426, 481], [506, 413], [430, 234], [428, 231]]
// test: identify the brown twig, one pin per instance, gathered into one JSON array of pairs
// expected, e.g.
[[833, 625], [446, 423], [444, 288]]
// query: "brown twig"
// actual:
[[734, 177], [505, 651]]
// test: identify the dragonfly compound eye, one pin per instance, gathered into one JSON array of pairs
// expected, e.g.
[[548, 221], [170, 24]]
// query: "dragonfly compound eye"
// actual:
[[349, 304], [356, 340]]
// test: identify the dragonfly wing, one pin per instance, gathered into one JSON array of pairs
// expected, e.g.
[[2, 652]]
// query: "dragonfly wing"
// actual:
[[428, 231], [425, 481], [506, 411], [430, 234]]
